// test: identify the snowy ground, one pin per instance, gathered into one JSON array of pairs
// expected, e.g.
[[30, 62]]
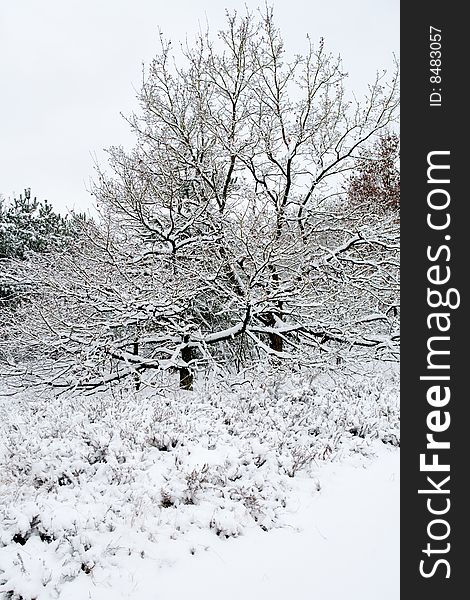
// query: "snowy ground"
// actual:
[[274, 489], [342, 543]]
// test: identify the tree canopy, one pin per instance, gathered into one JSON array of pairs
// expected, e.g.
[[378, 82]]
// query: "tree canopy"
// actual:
[[226, 235]]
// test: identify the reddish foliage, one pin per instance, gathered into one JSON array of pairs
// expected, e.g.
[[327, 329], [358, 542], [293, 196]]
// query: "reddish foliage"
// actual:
[[376, 180]]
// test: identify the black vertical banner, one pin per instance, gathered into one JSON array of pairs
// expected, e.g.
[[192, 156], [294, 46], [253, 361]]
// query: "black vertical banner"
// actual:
[[435, 164]]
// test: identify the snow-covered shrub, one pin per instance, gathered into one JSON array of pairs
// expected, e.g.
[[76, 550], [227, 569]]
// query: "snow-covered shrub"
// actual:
[[88, 481]]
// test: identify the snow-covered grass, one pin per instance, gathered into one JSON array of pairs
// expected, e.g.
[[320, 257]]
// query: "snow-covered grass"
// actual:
[[100, 493]]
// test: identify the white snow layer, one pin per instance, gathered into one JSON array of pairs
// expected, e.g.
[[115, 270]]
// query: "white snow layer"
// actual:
[[270, 490]]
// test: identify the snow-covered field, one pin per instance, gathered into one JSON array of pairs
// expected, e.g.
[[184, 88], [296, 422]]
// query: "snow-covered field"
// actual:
[[341, 543], [271, 487]]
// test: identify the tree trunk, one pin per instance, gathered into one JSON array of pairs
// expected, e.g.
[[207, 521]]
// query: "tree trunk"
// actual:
[[136, 375], [186, 375], [276, 342]]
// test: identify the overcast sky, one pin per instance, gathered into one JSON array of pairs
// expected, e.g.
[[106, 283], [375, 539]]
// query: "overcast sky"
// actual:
[[68, 68]]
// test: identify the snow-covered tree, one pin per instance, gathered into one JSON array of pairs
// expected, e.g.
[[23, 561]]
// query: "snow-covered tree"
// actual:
[[224, 234], [29, 226]]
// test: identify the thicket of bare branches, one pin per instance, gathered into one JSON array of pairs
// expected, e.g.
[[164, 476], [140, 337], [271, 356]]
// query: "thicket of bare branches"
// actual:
[[225, 235]]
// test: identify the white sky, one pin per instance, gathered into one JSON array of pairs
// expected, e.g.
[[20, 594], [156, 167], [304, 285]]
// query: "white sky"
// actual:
[[68, 68]]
